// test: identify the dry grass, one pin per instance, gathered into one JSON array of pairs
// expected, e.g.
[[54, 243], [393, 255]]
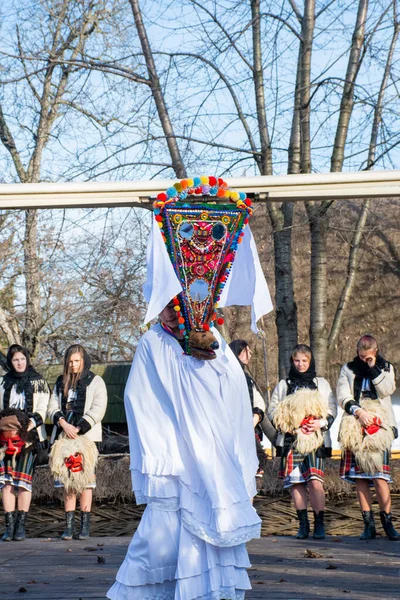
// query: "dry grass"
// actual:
[[114, 480]]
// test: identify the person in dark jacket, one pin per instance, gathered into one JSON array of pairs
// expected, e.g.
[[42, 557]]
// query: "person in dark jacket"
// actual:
[[21, 389], [364, 390], [262, 424]]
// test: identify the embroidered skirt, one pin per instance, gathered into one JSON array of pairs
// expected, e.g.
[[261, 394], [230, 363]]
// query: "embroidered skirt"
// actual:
[[350, 471], [20, 473], [297, 468]]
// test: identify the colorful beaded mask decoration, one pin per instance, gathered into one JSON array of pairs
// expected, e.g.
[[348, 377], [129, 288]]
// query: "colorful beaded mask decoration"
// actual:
[[201, 232]]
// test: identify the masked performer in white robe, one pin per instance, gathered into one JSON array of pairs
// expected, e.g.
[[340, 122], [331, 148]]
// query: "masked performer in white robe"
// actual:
[[193, 457]]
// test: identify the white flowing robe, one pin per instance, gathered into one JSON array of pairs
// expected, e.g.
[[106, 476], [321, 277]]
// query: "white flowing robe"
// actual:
[[193, 463]]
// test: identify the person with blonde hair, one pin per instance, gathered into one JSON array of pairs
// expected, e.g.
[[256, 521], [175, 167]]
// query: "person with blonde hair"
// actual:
[[367, 431], [77, 407], [303, 409]]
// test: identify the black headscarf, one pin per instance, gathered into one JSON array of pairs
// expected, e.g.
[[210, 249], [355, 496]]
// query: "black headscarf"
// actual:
[[296, 380], [29, 382], [85, 379], [363, 371]]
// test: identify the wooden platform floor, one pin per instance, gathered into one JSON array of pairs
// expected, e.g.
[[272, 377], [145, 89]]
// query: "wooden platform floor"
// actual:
[[283, 569]]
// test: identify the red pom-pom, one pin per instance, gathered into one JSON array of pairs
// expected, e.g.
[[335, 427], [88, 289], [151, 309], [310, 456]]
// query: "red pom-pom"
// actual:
[[206, 327], [190, 191], [198, 190], [162, 197], [248, 202], [175, 301], [220, 321], [212, 181], [158, 218], [246, 221], [221, 181]]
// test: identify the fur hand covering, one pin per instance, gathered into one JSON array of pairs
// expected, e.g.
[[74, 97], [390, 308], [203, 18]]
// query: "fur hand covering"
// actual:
[[367, 449], [290, 413], [74, 481]]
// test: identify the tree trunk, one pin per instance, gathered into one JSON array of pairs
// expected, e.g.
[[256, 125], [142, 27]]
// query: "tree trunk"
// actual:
[[319, 280], [351, 276], [347, 102], [281, 217], [285, 306], [362, 219], [307, 34], [317, 211], [258, 77], [177, 162], [30, 337]]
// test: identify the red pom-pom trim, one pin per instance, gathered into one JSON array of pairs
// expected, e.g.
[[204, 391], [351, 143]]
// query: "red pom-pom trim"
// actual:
[[198, 190], [162, 197], [158, 218], [206, 327], [212, 181], [175, 301], [220, 321], [248, 202]]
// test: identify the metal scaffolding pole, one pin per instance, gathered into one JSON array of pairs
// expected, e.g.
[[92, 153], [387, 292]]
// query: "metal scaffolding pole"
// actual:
[[329, 186]]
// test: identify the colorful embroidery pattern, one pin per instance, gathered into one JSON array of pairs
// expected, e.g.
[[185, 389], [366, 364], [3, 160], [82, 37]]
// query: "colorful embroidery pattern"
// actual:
[[202, 236]]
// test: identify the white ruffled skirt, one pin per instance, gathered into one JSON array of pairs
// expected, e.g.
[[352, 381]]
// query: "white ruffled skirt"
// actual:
[[165, 561]]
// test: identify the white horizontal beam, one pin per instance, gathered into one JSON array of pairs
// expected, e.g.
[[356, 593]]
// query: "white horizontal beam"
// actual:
[[329, 186]]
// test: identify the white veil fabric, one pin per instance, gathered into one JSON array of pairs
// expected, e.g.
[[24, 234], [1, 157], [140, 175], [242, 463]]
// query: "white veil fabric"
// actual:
[[246, 285]]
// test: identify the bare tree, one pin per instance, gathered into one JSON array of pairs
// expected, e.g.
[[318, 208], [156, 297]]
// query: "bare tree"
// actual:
[[232, 86], [71, 24]]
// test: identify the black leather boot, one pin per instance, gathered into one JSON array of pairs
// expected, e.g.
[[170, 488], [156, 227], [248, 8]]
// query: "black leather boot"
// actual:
[[85, 526], [304, 528], [319, 527], [68, 533], [386, 520], [369, 532], [19, 533], [9, 518]]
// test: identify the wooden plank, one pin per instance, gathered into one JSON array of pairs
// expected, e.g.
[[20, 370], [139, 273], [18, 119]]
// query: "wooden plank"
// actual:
[[55, 570]]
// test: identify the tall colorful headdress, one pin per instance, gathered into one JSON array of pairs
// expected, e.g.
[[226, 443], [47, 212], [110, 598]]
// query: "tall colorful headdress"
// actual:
[[201, 225], [201, 240]]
